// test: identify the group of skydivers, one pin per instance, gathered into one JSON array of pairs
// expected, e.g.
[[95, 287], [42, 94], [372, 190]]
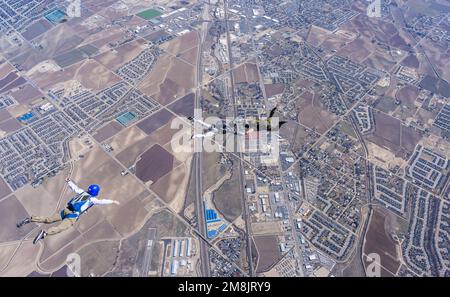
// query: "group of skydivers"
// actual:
[[232, 128]]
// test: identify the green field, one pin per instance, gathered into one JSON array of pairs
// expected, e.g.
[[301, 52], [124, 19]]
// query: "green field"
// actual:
[[149, 14]]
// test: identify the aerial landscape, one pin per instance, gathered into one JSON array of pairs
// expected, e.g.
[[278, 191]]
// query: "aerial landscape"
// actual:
[[316, 138]]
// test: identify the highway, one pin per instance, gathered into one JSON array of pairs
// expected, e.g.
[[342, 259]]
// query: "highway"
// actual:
[[197, 158], [240, 156]]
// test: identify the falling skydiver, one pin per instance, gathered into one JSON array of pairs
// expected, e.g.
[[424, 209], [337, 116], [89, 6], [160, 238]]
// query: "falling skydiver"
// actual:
[[78, 205]]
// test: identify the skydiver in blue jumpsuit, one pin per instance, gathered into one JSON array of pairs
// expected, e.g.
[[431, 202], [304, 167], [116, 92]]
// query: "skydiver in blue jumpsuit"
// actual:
[[78, 205]]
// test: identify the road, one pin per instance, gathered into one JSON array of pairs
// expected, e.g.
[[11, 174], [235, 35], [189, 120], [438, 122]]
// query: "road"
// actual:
[[299, 248], [240, 157], [368, 169], [204, 250]]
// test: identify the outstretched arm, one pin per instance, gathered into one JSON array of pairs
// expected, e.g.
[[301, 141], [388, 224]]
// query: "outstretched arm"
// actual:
[[74, 187], [104, 201]]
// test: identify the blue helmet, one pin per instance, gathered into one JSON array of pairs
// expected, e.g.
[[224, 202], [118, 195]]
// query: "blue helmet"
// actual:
[[93, 190]]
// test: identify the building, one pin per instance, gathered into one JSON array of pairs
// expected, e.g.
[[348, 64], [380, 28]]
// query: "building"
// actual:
[[182, 248], [175, 248], [188, 247], [174, 267]]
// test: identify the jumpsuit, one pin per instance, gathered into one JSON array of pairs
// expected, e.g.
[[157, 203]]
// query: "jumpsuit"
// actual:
[[66, 216]]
